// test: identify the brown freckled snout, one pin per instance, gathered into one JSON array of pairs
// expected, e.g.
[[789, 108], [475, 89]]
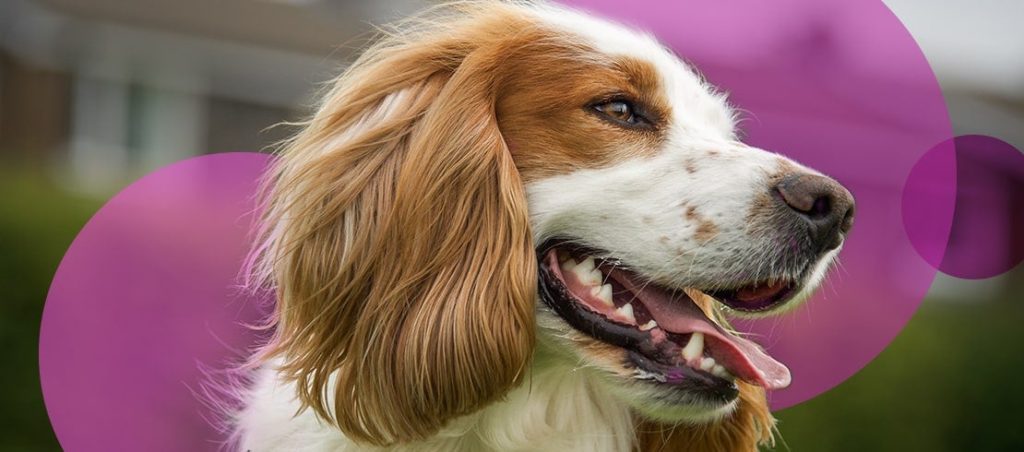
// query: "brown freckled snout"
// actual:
[[822, 203]]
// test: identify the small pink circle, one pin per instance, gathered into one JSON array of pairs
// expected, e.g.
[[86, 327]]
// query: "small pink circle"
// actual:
[[988, 184]]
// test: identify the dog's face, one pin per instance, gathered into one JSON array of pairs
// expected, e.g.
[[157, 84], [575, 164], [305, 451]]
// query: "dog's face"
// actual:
[[509, 154], [643, 203]]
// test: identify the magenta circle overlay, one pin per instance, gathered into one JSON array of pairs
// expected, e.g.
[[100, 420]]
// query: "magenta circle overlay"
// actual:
[[145, 300], [144, 297], [989, 190], [842, 87]]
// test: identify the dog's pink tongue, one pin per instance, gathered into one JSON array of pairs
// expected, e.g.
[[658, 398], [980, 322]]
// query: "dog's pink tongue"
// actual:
[[679, 314]]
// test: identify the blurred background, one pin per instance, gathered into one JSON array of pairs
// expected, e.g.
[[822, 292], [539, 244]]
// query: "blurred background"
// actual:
[[95, 93]]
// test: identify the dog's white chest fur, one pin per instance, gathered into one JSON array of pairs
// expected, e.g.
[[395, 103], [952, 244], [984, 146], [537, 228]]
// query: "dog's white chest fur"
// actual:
[[556, 409]]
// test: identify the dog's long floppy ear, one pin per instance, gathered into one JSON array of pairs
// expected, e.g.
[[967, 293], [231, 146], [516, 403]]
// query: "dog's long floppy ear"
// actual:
[[398, 241]]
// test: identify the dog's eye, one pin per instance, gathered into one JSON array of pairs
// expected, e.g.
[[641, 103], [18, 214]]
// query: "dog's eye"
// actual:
[[621, 112]]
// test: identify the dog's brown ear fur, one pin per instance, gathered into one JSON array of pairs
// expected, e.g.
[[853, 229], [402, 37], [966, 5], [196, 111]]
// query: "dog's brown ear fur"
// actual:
[[398, 242], [749, 426]]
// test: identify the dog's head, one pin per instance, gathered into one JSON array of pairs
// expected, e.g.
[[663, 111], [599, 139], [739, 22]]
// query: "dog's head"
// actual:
[[494, 152]]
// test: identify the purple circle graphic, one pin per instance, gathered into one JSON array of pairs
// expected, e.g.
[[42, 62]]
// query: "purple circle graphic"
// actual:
[[143, 302], [144, 297], [989, 190], [843, 88]]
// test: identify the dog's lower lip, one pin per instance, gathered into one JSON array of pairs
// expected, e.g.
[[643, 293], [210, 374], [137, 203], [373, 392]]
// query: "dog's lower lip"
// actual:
[[659, 323], [686, 377]]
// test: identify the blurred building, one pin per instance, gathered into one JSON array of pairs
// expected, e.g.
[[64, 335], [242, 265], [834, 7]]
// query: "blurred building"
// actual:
[[109, 88], [106, 89]]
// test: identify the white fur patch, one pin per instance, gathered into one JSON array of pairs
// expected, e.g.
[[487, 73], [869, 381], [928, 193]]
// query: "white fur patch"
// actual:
[[557, 409]]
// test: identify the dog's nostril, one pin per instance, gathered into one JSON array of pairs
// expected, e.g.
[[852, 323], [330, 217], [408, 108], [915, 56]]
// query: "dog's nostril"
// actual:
[[847, 219], [806, 194], [820, 201], [822, 206]]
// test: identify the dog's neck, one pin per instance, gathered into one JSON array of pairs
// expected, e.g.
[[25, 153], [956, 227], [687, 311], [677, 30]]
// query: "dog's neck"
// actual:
[[557, 408]]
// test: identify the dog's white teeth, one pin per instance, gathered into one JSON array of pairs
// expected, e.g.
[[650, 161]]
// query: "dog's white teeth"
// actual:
[[707, 363], [695, 348], [626, 311], [587, 273], [650, 325], [604, 293], [719, 371], [568, 264]]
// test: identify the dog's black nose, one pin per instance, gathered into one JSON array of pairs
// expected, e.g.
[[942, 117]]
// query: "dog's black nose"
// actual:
[[825, 205]]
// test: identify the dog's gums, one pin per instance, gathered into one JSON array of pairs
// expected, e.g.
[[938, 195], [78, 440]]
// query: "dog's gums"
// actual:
[[670, 339], [760, 296]]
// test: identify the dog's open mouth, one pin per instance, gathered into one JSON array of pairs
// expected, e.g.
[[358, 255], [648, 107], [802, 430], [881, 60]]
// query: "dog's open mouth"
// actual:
[[669, 338]]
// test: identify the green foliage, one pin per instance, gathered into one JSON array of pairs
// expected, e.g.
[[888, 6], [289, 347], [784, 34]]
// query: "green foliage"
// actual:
[[38, 221], [949, 382]]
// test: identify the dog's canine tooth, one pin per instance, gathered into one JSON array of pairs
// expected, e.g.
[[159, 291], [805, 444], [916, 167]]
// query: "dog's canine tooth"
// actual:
[[568, 264], [604, 293], [707, 363], [695, 347], [626, 311], [650, 325]]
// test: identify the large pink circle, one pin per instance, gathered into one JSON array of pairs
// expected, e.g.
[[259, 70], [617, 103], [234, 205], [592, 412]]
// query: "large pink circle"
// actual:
[[143, 299], [842, 87], [145, 305]]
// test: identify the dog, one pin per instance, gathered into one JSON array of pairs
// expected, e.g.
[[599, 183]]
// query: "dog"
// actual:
[[516, 226]]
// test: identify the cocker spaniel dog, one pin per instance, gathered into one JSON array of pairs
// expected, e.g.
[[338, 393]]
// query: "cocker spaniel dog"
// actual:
[[519, 227]]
